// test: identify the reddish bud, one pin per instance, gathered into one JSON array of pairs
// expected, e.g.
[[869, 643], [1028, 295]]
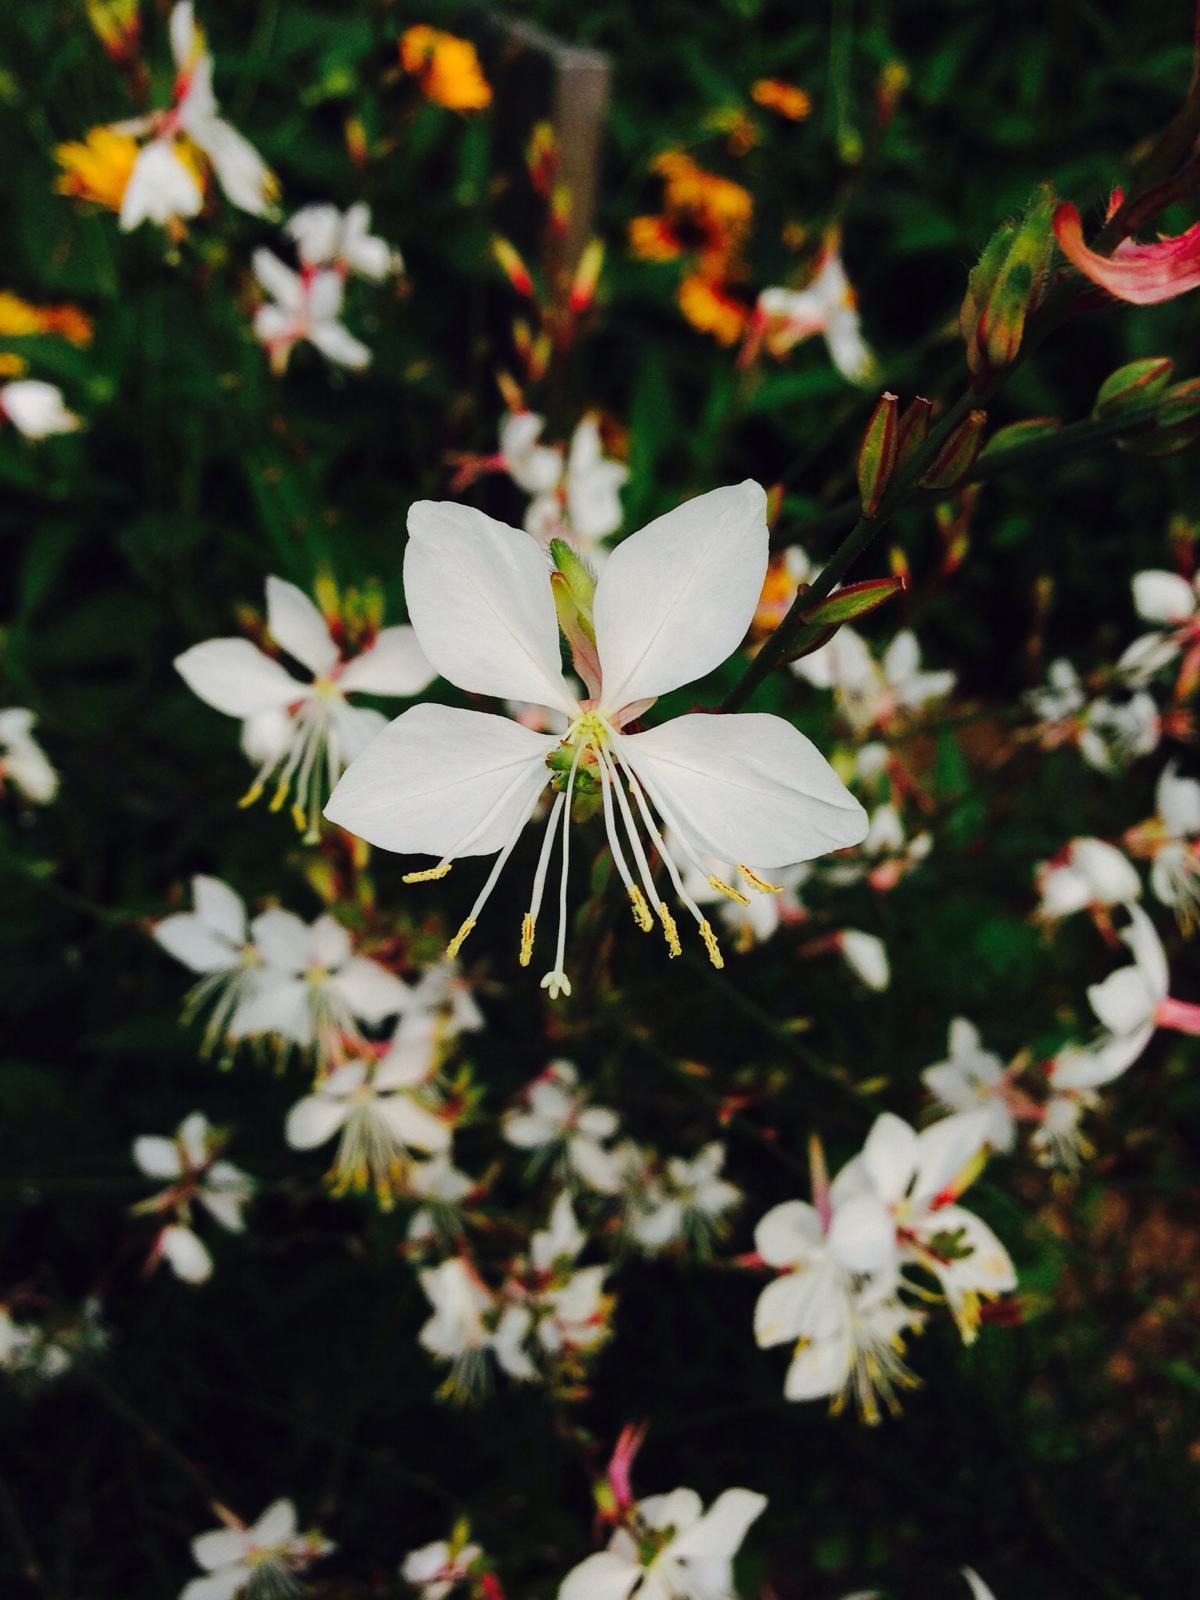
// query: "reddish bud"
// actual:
[[912, 429], [877, 454], [513, 268], [1132, 385], [587, 276], [958, 454]]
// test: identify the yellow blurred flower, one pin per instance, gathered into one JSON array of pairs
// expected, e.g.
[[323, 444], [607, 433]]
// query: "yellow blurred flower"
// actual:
[[708, 307], [19, 319], [703, 215], [98, 168], [12, 366], [786, 98], [447, 67]]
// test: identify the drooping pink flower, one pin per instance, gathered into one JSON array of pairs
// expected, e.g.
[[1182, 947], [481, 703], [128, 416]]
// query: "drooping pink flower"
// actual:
[[1141, 274]]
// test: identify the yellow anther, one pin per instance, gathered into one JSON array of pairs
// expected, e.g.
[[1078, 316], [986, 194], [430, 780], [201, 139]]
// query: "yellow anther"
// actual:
[[299, 818], [428, 875], [755, 882], [669, 929], [641, 911], [460, 938], [711, 945], [722, 887], [527, 939], [251, 794]]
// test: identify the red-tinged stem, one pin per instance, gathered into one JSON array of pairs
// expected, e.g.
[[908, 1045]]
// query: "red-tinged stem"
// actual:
[[1180, 1015]]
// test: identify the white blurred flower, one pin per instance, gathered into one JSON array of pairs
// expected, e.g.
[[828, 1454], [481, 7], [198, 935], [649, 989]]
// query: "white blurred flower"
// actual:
[[1172, 841], [866, 956], [1085, 875], [688, 1203], [886, 855], [1117, 733], [304, 306], [972, 1078], [873, 694], [303, 732], [671, 603], [23, 762], [435, 1569], [826, 306], [36, 409], [1169, 603], [379, 1115], [165, 184], [342, 240], [671, 1549], [556, 1117], [213, 941], [255, 1561], [191, 1165]]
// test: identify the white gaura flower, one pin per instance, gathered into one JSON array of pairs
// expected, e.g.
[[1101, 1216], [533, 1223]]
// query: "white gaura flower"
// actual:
[[1114, 734], [435, 1569], [379, 1115], [165, 181], [304, 306], [1059, 700], [462, 1329], [555, 1117], [690, 1203], [533, 466], [36, 409], [846, 1326], [343, 241], [873, 694], [23, 762], [440, 1006], [972, 1078], [255, 1561], [669, 1549], [593, 487], [827, 306], [914, 1180], [577, 499], [1169, 603], [886, 855], [191, 1165], [673, 601], [312, 988], [302, 732], [213, 941], [568, 1308], [1172, 841], [1087, 874]]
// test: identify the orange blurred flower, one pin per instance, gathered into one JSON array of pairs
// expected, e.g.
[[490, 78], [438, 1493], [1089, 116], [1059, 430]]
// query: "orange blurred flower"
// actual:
[[711, 309], [19, 319], [703, 215], [98, 168], [448, 68], [786, 98]]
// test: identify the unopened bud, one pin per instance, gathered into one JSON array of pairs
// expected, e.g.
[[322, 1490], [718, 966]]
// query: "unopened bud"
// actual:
[[1007, 285], [1132, 385], [877, 454], [912, 430], [587, 276], [580, 583], [854, 600], [117, 25], [541, 157], [513, 268], [1016, 433], [958, 455], [1176, 426]]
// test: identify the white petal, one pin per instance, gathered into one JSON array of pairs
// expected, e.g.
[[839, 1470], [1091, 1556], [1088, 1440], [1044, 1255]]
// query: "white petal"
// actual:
[[413, 1125], [156, 1156], [184, 43], [979, 1589], [604, 1576], [676, 598], [329, 943], [338, 344], [189, 1259], [944, 1150], [284, 286], [283, 940], [353, 728], [223, 1585], [296, 624], [1123, 1002], [1178, 801], [186, 937], [235, 677], [395, 664], [1148, 951], [277, 1005], [371, 991], [720, 1531], [1163, 597], [889, 1156], [220, 908], [243, 174], [789, 1234], [819, 1369], [867, 957], [160, 187], [220, 1548], [315, 1119], [276, 1525], [862, 1234], [781, 1310], [747, 788], [479, 597], [439, 780]]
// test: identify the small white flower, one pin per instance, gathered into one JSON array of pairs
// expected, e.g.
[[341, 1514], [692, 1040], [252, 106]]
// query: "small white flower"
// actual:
[[191, 1165], [826, 306], [672, 1550], [255, 1561], [873, 694], [312, 988], [213, 941], [972, 1078], [435, 1569], [555, 1116], [461, 1330], [302, 732], [670, 605], [36, 409], [379, 1117], [23, 762], [1172, 840], [689, 1203], [1169, 603], [1115, 734], [342, 240], [304, 306], [1086, 874]]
